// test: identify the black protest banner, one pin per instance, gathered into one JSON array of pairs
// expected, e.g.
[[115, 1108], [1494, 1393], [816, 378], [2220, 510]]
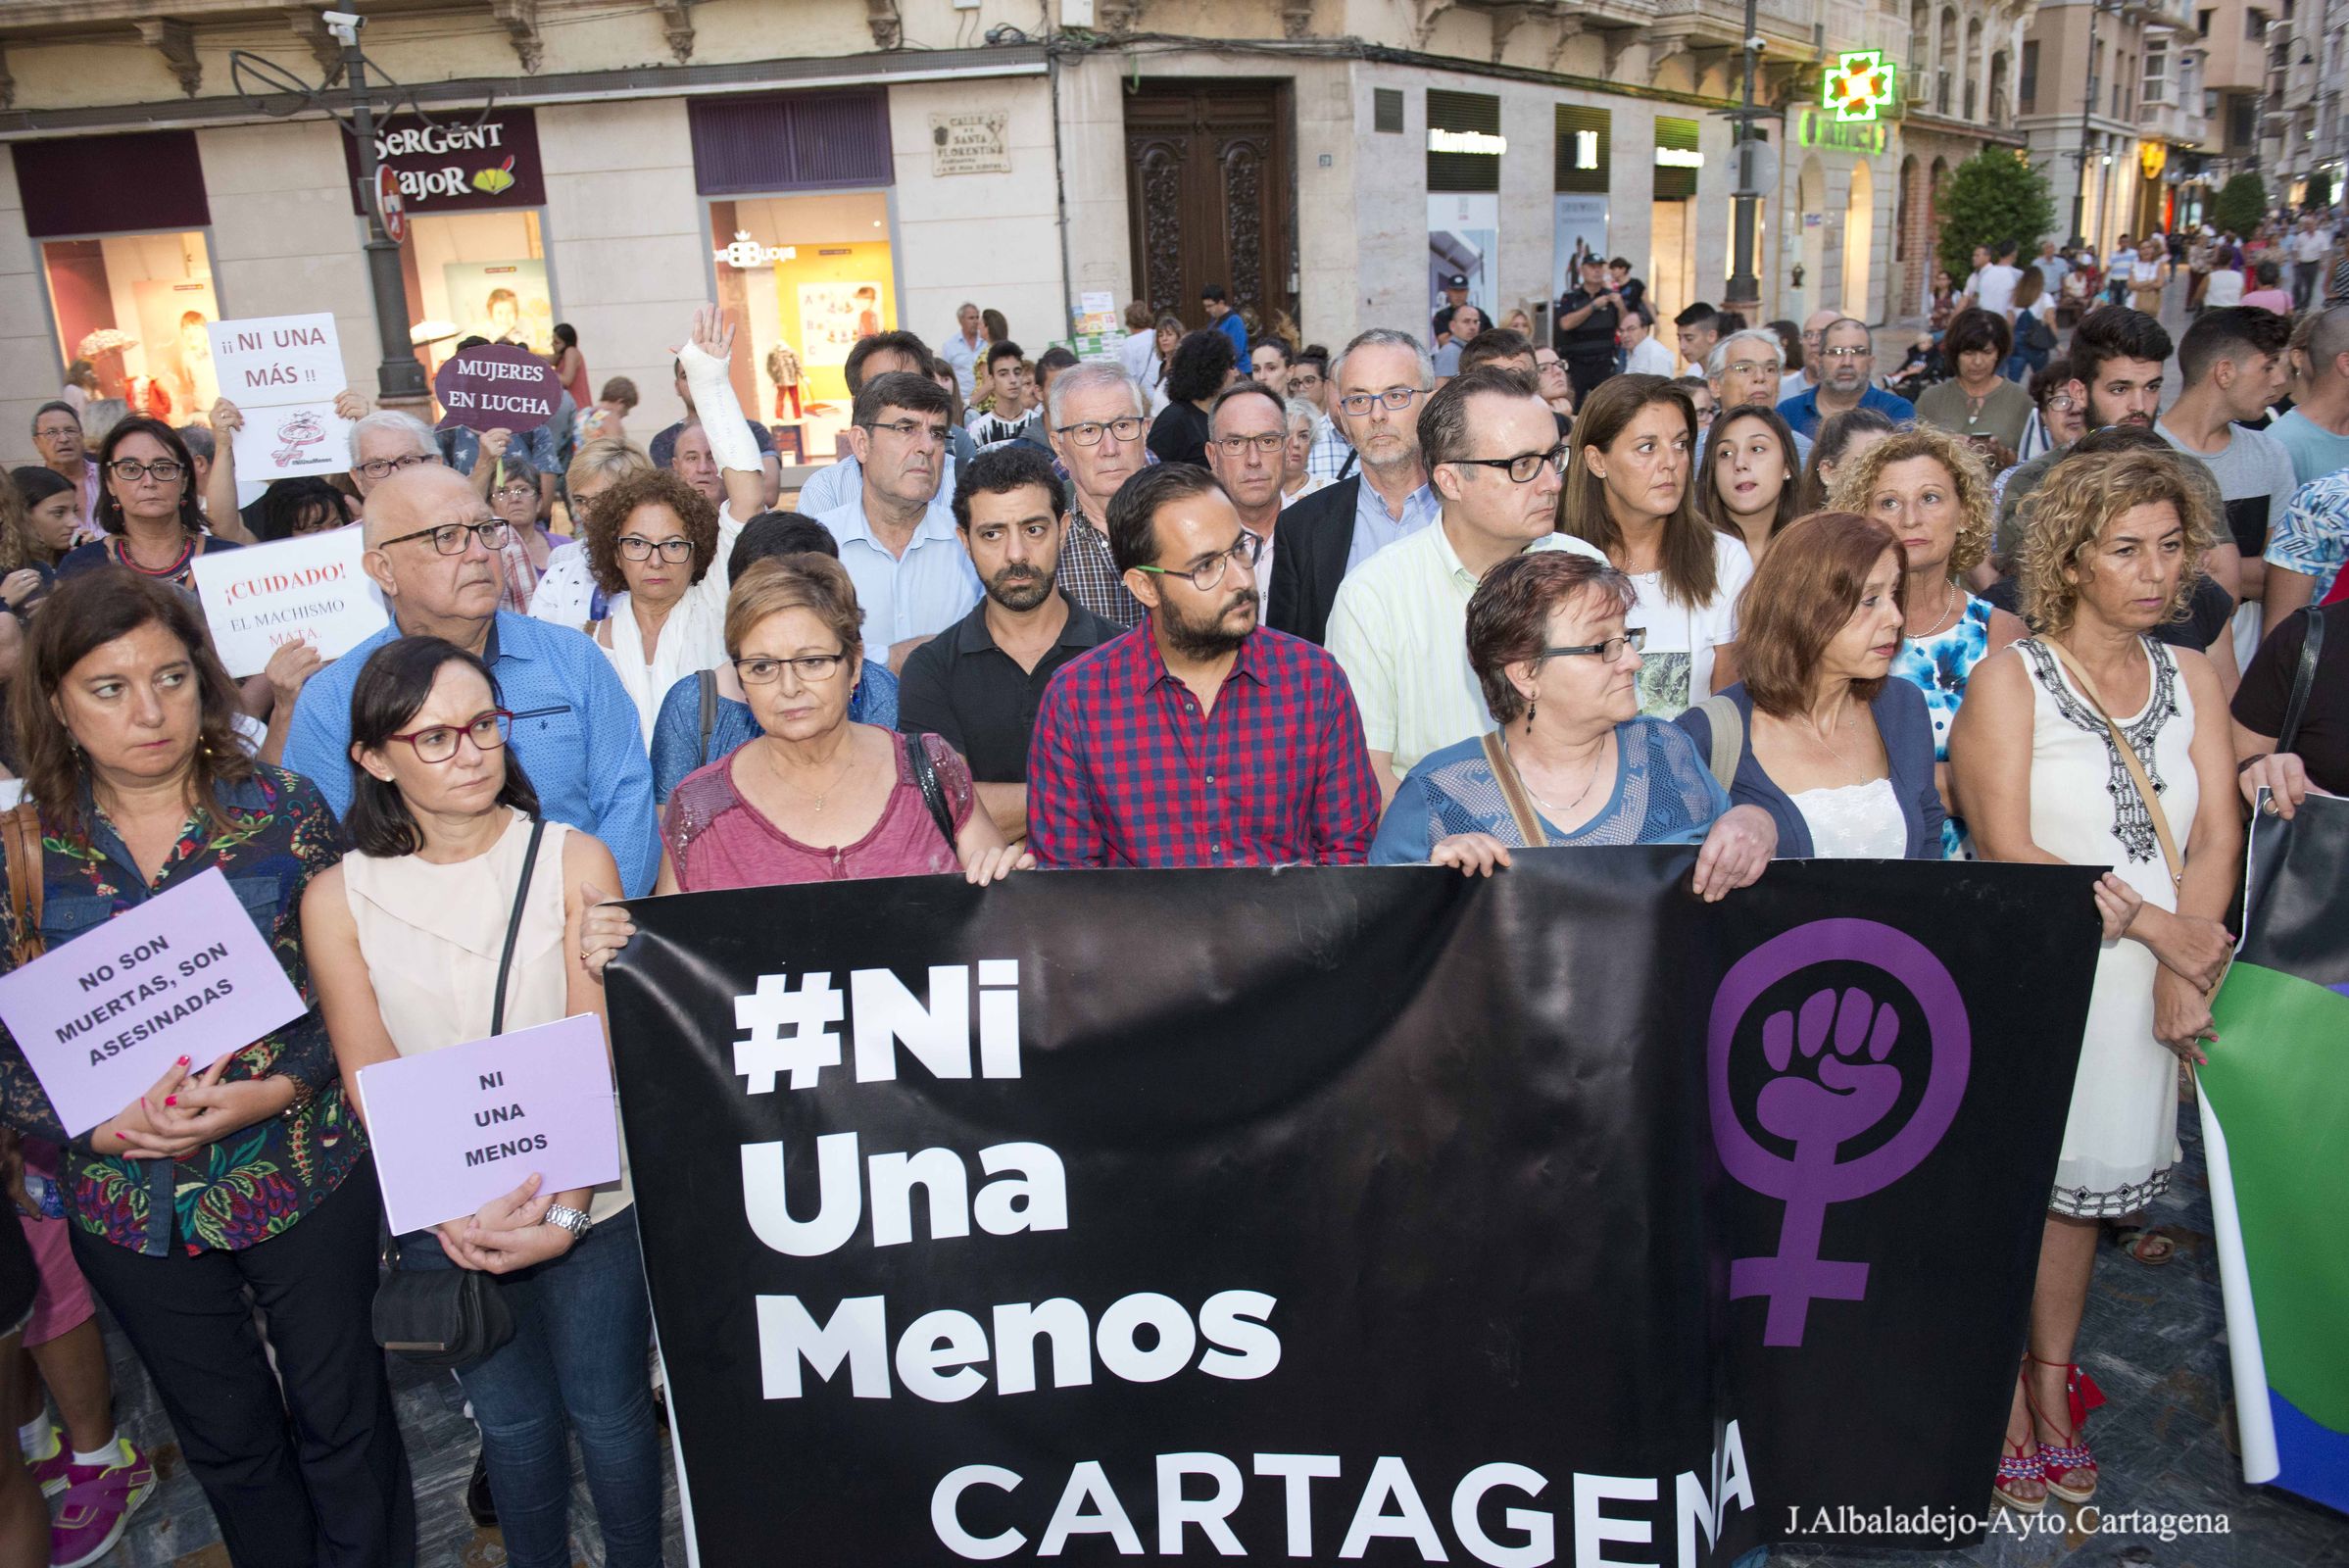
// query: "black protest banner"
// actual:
[[1346, 1214]]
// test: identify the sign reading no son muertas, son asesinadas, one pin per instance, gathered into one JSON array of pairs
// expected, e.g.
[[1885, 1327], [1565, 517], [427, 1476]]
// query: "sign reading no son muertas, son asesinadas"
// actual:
[[454, 1129], [311, 589], [185, 974], [497, 386], [282, 372]]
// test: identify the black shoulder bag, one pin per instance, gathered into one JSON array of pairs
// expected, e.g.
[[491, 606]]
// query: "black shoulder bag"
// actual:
[[933, 793], [454, 1317], [2312, 646]]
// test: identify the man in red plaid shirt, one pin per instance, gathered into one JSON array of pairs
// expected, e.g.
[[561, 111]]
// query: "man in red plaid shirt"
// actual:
[[1198, 738]]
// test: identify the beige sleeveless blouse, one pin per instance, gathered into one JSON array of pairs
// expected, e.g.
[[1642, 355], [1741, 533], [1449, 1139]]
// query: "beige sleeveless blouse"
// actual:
[[431, 936]]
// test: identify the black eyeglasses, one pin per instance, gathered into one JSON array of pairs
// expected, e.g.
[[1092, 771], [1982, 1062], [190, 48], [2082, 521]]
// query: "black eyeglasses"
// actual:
[[1088, 432], [1521, 468], [1208, 573], [163, 470], [383, 468], [1608, 652], [636, 547], [450, 537]]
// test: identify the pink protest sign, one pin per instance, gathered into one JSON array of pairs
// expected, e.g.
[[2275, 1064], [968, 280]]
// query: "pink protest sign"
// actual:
[[455, 1128], [185, 974], [497, 387]]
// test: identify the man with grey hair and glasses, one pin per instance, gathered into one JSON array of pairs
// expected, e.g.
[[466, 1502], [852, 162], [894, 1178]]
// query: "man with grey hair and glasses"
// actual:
[[1097, 419], [1381, 380], [1743, 368], [389, 442]]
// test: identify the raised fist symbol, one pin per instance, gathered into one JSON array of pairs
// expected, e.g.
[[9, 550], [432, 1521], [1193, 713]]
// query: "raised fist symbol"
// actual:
[[1850, 1093]]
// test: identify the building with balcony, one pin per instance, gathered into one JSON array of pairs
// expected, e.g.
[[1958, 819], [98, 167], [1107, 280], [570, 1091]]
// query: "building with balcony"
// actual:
[[2109, 104], [609, 165]]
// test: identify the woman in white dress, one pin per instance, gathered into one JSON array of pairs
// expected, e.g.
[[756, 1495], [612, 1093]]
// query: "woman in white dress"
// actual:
[[1630, 491], [2116, 548]]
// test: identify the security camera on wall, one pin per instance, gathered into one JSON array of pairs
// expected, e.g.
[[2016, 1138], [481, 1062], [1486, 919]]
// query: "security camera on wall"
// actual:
[[343, 24]]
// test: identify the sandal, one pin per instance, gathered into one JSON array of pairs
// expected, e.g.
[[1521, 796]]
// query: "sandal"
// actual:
[[2145, 1244], [2015, 1466], [2061, 1459]]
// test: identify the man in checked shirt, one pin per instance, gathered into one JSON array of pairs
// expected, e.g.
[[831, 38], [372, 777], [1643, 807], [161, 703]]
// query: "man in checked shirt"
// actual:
[[1198, 738], [1097, 418]]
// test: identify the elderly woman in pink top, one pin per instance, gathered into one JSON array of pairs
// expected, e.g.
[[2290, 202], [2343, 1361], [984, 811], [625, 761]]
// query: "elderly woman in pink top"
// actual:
[[816, 797]]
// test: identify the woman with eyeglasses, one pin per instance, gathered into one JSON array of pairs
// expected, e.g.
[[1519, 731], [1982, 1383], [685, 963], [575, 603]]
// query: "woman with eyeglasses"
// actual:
[[816, 797], [513, 497], [1574, 761], [405, 939], [653, 543], [231, 1182], [1628, 491], [147, 506], [1816, 732]]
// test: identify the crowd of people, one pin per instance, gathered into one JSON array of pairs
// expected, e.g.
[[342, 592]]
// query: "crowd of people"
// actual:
[[1226, 598]]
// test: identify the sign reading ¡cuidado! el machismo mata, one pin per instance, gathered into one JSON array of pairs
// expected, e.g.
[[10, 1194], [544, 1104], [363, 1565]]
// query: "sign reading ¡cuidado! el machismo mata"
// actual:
[[1333, 1213]]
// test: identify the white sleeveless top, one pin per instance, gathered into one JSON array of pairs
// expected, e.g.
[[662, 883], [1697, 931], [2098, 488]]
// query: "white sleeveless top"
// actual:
[[2120, 1137], [1855, 822], [431, 936]]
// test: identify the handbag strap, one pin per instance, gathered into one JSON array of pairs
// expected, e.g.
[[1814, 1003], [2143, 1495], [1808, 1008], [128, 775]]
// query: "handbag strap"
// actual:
[[2128, 756], [514, 925], [1726, 728], [933, 793], [2304, 678], [1513, 790], [27, 880], [708, 680]]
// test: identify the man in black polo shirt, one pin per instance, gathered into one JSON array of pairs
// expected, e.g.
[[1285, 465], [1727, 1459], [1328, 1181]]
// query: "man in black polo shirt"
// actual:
[[978, 682], [1584, 336]]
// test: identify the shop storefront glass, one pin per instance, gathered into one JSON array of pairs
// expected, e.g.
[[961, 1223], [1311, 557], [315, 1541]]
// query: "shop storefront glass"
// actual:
[[125, 265]]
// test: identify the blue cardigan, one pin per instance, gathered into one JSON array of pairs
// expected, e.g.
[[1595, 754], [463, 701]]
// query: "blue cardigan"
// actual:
[[1907, 730]]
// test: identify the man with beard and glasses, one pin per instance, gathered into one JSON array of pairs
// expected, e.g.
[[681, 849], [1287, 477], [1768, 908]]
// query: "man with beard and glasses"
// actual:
[[977, 684], [1198, 738], [1846, 360]]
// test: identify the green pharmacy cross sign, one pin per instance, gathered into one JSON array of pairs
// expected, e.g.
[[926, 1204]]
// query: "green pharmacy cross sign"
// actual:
[[1859, 86]]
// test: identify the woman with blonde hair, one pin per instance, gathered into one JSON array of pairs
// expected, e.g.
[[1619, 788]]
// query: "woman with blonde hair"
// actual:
[[2091, 743], [1930, 489], [1628, 491]]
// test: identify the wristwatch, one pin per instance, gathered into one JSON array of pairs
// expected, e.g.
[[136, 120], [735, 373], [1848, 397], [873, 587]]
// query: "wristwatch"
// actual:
[[570, 1219]]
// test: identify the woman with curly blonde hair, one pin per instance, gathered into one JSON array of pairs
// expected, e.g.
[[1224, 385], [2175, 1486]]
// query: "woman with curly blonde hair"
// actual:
[[1930, 489], [2092, 743]]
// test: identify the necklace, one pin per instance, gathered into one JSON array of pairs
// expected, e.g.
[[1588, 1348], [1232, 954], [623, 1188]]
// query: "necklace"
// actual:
[[187, 552], [1950, 602], [820, 797], [1557, 814], [1820, 735]]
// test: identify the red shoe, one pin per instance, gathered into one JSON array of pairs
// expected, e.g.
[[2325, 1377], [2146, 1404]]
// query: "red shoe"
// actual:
[[2015, 1466], [2062, 1463]]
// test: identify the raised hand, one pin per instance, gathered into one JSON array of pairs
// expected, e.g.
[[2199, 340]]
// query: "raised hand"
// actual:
[[1848, 1037]]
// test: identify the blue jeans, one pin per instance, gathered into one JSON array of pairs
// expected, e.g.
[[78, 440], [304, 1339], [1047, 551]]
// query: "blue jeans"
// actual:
[[581, 1331]]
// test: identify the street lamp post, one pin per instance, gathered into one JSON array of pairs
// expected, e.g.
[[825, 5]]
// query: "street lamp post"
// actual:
[[400, 378], [1744, 286], [2087, 109]]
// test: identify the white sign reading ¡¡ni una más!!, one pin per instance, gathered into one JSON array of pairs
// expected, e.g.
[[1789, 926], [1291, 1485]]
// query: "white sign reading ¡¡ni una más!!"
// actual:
[[283, 374], [970, 143], [311, 588]]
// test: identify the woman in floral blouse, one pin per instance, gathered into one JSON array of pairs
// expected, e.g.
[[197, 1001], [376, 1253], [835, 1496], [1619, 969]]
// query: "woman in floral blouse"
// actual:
[[249, 1172]]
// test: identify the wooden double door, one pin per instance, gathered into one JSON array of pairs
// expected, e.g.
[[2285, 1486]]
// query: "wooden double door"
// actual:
[[1210, 194]]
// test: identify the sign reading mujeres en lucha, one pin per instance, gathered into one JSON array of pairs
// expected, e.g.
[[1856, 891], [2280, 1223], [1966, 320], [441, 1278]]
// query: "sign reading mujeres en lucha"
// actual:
[[459, 160], [1337, 1214]]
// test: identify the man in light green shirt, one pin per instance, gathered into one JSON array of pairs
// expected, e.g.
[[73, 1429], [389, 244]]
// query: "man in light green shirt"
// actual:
[[1399, 628]]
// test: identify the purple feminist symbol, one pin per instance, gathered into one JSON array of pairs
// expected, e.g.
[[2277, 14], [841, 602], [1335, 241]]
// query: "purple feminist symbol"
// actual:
[[1844, 1041]]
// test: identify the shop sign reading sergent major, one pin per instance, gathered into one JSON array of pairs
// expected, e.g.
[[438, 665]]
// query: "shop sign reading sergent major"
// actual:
[[461, 162]]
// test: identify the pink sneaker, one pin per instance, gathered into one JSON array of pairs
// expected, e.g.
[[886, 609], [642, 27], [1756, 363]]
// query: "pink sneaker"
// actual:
[[50, 1474], [99, 1502]]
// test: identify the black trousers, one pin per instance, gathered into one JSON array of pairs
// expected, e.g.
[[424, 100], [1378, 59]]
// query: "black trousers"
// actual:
[[1584, 376], [317, 1475]]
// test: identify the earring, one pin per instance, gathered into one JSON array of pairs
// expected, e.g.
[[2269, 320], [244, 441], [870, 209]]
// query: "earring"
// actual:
[[1529, 704]]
